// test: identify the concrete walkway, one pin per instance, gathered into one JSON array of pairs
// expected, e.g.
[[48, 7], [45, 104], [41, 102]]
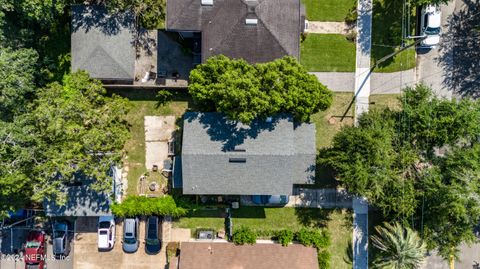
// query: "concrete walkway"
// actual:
[[322, 27], [360, 233], [320, 198], [363, 46], [380, 83]]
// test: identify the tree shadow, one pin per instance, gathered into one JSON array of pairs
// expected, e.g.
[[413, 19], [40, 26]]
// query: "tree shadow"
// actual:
[[460, 51], [232, 133], [386, 29], [89, 17], [313, 217]]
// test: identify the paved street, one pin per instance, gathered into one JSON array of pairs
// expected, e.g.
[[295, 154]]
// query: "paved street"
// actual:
[[429, 69]]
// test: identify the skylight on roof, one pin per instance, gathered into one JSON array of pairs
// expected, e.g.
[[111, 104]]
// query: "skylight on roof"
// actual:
[[207, 2], [237, 160]]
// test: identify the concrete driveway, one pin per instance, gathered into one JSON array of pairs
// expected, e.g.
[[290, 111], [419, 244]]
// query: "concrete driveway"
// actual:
[[468, 256], [87, 256], [429, 69]]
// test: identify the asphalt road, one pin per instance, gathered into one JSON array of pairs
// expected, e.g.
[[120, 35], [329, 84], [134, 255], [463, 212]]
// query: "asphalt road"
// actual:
[[429, 68]]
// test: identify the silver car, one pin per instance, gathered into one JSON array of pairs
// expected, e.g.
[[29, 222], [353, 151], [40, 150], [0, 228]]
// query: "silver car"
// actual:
[[61, 242], [130, 235]]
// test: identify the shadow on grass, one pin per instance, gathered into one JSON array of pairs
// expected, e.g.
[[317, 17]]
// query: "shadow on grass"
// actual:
[[348, 255], [386, 29], [313, 217]]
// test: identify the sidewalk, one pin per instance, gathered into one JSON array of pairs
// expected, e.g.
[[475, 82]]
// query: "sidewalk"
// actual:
[[360, 233], [380, 83]]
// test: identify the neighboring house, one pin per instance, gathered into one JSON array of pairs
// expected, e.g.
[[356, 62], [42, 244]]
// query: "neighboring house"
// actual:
[[255, 30], [83, 200], [103, 44], [223, 157], [196, 255]]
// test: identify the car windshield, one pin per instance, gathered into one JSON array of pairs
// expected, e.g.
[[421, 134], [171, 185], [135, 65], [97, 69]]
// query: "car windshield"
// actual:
[[32, 244], [432, 31], [103, 232], [104, 224], [58, 234], [130, 240]]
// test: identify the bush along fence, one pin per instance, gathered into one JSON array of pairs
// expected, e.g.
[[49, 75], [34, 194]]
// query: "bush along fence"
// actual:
[[144, 206], [317, 238]]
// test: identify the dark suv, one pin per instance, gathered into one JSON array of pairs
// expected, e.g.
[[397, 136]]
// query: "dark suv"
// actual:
[[152, 242]]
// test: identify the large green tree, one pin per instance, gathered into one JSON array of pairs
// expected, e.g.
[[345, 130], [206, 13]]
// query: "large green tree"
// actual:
[[17, 73], [69, 127], [244, 92], [400, 247], [151, 13], [418, 163]]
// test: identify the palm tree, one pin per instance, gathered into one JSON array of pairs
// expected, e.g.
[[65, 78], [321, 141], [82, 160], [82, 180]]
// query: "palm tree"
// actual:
[[400, 248]]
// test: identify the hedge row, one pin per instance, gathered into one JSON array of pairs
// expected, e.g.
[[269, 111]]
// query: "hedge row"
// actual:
[[144, 206]]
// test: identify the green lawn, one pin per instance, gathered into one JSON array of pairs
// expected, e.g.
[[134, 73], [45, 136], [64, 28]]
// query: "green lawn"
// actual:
[[144, 104], [270, 219], [329, 122], [328, 10], [381, 101], [387, 36], [328, 52]]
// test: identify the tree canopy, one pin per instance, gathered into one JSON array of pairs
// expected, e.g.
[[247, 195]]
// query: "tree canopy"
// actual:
[[69, 127], [420, 162], [244, 92], [151, 13]]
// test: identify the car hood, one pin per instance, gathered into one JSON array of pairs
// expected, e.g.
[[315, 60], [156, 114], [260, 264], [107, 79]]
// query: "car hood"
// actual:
[[431, 40], [31, 254], [130, 247]]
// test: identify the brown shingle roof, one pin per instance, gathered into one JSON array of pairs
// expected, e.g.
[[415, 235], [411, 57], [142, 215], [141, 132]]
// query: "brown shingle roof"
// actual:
[[196, 255]]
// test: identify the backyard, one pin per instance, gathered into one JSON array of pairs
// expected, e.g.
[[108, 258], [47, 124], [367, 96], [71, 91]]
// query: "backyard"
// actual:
[[267, 220], [327, 53], [144, 103]]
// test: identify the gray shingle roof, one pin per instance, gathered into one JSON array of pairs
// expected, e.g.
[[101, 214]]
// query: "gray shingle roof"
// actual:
[[276, 155], [103, 44], [81, 201], [224, 30]]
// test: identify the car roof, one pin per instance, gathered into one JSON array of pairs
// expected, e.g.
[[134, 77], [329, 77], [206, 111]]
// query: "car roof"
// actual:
[[58, 245], [129, 226]]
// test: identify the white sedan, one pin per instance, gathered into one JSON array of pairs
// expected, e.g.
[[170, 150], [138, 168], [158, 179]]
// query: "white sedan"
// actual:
[[106, 232], [430, 22]]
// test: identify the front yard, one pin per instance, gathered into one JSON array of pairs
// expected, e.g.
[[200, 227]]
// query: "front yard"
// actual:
[[387, 36], [267, 220], [327, 53], [328, 10]]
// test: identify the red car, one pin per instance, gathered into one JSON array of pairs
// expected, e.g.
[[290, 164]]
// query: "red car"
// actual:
[[35, 250]]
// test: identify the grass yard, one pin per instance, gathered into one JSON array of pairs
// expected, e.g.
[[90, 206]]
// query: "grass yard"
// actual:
[[144, 104], [325, 130], [327, 53], [387, 36], [382, 101], [268, 219], [328, 10]]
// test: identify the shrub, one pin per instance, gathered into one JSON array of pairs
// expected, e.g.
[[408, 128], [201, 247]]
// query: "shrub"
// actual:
[[285, 237], [352, 15], [318, 238], [244, 235], [143, 206], [172, 249], [323, 259]]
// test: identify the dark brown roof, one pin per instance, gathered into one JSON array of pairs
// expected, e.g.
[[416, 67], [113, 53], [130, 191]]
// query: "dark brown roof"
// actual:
[[196, 255], [224, 30]]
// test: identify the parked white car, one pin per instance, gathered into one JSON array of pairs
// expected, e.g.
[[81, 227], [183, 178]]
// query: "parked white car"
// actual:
[[106, 232], [430, 25]]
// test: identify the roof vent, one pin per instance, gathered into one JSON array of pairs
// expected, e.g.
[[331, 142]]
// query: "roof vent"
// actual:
[[269, 119], [251, 21], [207, 2]]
